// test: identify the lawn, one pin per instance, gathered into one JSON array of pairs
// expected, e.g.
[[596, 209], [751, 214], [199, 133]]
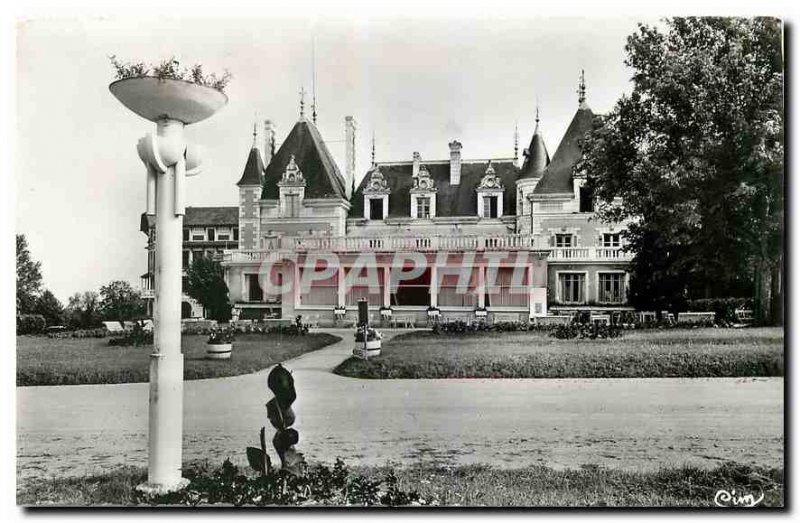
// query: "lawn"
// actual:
[[637, 354], [71, 361], [478, 485]]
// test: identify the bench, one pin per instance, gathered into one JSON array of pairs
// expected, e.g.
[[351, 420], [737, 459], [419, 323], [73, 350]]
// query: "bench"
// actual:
[[743, 315], [114, 327], [696, 317], [406, 320], [552, 320], [311, 320], [498, 317], [605, 319]]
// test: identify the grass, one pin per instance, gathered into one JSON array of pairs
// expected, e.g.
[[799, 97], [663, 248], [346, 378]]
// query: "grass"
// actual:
[[637, 354], [479, 485], [70, 361]]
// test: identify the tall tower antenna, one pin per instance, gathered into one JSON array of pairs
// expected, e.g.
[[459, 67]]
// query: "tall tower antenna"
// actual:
[[313, 83]]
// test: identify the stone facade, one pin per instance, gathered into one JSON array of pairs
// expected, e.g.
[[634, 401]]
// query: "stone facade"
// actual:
[[448, 238]]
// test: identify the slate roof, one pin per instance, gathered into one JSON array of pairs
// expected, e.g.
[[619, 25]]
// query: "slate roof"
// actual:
[[200, 216], [536, 156], [451, 200], [253, 169], [322, 175], [557, 177]]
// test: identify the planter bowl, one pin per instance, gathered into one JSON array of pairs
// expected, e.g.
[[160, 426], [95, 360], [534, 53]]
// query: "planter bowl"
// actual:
[[156, 99], [219, 351]]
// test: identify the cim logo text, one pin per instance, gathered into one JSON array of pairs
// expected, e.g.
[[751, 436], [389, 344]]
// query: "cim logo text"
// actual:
[[723, 498]]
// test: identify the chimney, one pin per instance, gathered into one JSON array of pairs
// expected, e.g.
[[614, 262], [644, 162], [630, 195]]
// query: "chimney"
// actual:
[[269, 141], [350, 154], [455, 162], [417, 159]]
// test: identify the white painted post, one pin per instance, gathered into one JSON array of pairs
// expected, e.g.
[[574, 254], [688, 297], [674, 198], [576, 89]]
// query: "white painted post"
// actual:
[[434, 287], [166, 362]]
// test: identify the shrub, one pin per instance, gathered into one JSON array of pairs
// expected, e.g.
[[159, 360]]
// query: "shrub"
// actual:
[[321, 485], [136, 337], [591, 331], [30, 324], [100, 332]]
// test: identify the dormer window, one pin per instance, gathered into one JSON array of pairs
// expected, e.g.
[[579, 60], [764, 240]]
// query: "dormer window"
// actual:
[[376, 196], [292, 189], [423, 195], [490, 194]]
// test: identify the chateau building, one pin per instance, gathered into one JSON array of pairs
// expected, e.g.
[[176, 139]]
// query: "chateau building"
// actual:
[[444, 237]]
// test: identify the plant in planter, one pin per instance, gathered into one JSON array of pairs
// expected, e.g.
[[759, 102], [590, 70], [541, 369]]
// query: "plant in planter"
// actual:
[[170, 69], [371, 338], [220, 343]]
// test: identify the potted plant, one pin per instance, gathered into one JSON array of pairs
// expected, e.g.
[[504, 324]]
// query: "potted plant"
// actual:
[[371, 340], [433, 312], [220, 343], [167, 91]]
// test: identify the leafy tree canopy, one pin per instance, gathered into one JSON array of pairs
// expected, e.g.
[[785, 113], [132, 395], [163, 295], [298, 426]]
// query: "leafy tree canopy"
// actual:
[[29, 277], [120, 301], [694, 157], [206, 284]]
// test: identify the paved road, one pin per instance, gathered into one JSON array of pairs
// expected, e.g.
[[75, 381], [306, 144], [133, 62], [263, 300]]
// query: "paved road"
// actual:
[[634, 424]]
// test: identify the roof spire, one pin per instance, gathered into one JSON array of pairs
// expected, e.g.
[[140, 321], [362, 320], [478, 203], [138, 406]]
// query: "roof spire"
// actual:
[[302, 102], [516, 141], [536, 129], [373, 148], [254, 134], [313, 84], [582, 91]]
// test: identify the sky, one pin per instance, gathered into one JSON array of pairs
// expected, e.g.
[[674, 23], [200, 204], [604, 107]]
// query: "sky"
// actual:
[[416, 84]]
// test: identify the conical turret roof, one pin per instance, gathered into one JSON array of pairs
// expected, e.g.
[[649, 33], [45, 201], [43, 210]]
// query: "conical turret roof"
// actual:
[[536, 156], [322, 175], [253, 169], [557, 177]]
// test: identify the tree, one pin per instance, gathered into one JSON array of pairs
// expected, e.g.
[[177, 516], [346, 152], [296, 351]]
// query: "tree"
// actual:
[[206, 284], [694, 158], [29, 277], [120, 302], [50, 307], [83, 310]]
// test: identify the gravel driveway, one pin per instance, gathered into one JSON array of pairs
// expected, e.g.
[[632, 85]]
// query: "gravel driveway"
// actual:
[[634, 424]]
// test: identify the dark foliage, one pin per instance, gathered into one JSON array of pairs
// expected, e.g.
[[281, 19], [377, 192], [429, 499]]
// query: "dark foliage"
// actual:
[[30, 324]]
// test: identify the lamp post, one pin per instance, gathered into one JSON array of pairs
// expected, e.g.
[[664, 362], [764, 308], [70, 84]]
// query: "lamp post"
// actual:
[[171, 104]]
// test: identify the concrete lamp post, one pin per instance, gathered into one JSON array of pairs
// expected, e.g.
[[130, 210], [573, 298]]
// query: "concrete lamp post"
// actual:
[[172, 105]]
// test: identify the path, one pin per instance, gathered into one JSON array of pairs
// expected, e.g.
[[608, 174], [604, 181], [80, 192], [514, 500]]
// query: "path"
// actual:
[[622, 423]]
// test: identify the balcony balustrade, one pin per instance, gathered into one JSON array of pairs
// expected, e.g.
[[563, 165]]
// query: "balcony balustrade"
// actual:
[[276, 248]]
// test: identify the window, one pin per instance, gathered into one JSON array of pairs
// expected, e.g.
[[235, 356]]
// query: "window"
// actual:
[[254, 291], [450, 294], [318, 291], [366, 284], [611, 239], [563, 240], [612, 287], [490, 206], [292, 205], [211, 234], [414, 292], [586, 202], [571, 286], [223, 235], [423, 207], [186, 234], [197, 235], [504, 291], [185, 259], [236, 234], [375, 208]]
